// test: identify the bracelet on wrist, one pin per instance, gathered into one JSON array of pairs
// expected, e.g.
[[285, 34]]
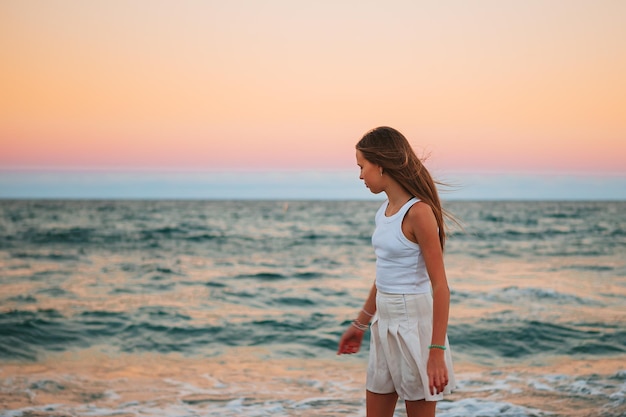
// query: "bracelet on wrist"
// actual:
[[363, 327], [442, 347], [367, 312]]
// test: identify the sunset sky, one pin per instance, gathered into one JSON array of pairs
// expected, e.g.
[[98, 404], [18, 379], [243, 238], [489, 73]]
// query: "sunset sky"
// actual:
[[526, 88]]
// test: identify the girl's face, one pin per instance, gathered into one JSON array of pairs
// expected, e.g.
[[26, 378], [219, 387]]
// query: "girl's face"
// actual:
[[370, 173]]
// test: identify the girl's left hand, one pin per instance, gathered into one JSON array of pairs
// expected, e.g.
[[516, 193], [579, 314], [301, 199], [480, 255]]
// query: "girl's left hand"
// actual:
[[437, 371]]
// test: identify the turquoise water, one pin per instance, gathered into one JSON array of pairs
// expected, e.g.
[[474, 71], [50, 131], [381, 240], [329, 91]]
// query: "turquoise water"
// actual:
[[219, 308]]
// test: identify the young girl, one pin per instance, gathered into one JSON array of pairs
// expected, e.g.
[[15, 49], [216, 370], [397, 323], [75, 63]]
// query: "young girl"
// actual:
[[409, 351]]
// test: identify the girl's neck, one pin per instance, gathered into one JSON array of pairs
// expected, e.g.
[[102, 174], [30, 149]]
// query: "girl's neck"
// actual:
[[397, 194], [397, 198]]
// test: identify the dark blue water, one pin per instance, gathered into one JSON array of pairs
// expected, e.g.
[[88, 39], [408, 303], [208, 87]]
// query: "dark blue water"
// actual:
[[534, 285]]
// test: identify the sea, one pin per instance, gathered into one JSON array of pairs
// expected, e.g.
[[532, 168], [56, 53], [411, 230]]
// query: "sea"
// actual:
[[180, 308]]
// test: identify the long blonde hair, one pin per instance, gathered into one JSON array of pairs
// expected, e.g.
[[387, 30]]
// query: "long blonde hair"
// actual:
[[388, 148]]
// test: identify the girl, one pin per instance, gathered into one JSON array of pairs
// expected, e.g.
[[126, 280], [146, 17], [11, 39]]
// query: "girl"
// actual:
[[409, 351]]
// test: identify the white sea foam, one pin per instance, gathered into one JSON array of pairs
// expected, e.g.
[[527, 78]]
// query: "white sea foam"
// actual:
[[472, 407], [233, 399], [242, 407]]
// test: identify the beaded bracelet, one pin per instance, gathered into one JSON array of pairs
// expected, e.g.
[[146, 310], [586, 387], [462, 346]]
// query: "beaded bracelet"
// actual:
[[442, 347]]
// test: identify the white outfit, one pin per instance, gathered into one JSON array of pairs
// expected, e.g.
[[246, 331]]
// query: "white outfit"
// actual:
[[400, 267], [402, 327]]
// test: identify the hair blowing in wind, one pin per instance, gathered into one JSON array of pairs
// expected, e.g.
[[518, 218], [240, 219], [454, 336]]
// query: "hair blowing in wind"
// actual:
[[388, 148]]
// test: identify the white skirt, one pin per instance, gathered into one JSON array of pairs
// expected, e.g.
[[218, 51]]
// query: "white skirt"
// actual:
[[400, 335]]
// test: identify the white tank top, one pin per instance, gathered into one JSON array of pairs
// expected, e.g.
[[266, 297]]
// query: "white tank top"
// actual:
[[400, 267]]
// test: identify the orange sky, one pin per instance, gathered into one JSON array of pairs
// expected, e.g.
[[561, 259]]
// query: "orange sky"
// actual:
[[481, 85]]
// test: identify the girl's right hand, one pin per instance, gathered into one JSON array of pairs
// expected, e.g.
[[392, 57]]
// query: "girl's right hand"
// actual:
[[350, 341]]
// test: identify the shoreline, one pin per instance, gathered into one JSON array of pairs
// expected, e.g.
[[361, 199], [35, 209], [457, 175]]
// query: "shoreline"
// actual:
[[91, 379]]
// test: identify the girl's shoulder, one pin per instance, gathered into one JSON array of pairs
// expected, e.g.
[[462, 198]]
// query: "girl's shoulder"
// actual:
[[421, 214]]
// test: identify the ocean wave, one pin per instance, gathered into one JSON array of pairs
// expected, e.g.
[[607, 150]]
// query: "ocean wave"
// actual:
[[263, 276], [46, 255], [163, 329], [516, 294], [27, 334], [494, 338]]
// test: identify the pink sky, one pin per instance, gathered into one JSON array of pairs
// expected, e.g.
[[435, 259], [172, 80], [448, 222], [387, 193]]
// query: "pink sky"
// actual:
[[481, 86]]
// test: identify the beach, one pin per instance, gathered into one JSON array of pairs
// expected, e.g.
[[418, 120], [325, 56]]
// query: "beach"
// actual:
[[235, 308]]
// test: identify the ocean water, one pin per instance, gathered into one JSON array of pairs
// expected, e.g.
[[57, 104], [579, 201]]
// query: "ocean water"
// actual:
[[235, 308]]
